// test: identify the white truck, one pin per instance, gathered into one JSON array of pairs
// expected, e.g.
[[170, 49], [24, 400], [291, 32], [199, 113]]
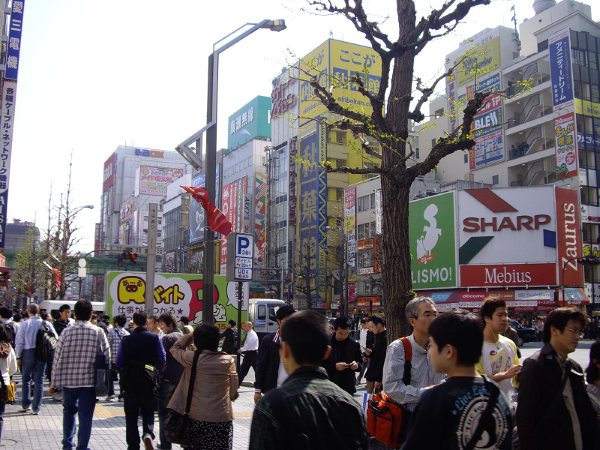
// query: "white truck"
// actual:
[[261, 312]]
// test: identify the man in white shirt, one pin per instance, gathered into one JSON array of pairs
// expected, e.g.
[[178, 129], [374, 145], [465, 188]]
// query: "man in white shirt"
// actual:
[[249, 350]]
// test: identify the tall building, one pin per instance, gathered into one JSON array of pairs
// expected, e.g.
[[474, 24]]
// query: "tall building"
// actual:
[[133, 178]]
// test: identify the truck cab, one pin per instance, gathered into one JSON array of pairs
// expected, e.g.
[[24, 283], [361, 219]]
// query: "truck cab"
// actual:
[[261, 312]]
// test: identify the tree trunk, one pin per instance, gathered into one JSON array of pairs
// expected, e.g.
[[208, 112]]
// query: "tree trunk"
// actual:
[[397, 281]]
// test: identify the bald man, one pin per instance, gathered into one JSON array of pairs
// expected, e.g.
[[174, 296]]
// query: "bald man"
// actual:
[[249, 350]]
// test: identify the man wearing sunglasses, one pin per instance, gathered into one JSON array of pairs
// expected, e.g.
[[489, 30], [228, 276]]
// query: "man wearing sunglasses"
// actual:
[[554, 410]]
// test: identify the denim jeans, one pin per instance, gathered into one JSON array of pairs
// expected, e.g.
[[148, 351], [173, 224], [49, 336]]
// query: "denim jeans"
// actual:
[[133, 408], [33, 370], [166, 391], [81, 402]]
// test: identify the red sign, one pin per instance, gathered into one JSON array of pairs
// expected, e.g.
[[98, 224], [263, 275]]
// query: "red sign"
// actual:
[[568, 236], [497, 275], [368, 301]]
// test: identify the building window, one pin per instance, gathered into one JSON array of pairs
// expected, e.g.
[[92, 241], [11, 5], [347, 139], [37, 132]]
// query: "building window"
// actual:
[[365, 259], [495, 179], [466, 158]]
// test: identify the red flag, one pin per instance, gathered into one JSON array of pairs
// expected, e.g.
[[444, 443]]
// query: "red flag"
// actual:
[[216, 219]]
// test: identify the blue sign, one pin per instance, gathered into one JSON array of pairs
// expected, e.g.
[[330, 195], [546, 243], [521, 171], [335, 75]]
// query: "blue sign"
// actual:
[[244, 246], [560, 70], [491, 84], [588, 140], [14, 40]]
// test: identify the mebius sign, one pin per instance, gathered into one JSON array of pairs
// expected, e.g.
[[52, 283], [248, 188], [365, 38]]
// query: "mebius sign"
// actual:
[[518, 236]]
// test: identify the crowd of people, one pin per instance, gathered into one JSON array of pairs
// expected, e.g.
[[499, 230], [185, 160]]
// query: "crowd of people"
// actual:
[[457, 378]]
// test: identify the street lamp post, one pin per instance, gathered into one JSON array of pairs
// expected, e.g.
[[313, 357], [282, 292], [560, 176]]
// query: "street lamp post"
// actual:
[[211, 149]]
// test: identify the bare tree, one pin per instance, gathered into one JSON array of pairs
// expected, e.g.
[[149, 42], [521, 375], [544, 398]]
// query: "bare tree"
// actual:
[[29, 271], [396, 103]]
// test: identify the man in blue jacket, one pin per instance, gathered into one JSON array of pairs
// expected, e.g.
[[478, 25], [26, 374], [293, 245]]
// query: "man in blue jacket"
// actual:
[[141, 358]]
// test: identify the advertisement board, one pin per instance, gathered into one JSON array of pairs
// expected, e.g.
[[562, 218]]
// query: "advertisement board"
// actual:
[[110, 172], [9, 94], [179, 293], [314, 65], [432, 242], [154, 180], [569, 237], [260, 211], [478, 61], [13, 48], [566, 148], [561, 72], [350, 224], [252, 121], [197, 213], [489, 149]]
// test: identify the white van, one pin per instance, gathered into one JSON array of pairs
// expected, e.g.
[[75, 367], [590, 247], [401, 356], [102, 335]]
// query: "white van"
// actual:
[[51, 306], [261, 312]]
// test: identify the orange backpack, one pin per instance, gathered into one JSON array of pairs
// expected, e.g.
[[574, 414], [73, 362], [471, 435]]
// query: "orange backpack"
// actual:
[[387, 419]]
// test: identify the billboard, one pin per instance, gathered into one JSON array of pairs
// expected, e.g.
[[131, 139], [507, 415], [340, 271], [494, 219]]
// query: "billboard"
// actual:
[[350, 224], [179, 293], [9, 94], [561, 72], [566, 147], [197, 213], [110, 172], [432, 242], [493, 224], [569, 237], [154, 180], [252, 121], [260, 211], [478, 61], [489, 149], [13, 49]]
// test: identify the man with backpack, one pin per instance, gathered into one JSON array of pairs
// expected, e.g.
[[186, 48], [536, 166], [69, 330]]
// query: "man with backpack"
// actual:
[[33, 348], [407, 370], [141, 359]]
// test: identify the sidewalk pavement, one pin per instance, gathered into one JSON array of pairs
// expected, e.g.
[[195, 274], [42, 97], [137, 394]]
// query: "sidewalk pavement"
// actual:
[[29, 432]]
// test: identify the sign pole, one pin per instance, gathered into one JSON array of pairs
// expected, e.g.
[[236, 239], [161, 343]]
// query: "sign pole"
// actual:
[[240, 293]]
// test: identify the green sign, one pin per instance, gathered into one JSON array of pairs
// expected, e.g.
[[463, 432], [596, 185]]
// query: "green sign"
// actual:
[[252, 121], [179, 293], [432, 242]]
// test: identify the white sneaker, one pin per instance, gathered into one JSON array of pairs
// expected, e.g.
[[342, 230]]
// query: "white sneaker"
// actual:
[[110, 397], [148, 444]]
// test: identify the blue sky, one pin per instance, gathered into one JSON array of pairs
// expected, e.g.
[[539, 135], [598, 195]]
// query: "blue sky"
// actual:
[[97, 74]]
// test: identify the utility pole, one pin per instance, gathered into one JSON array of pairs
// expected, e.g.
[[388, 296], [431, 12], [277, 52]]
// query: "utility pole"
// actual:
[[151, 257]]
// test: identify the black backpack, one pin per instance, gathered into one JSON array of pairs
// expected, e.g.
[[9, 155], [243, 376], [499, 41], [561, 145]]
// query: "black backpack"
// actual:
[[45, 343], [10, 332]]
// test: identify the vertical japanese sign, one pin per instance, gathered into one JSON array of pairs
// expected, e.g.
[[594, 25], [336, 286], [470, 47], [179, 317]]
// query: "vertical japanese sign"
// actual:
[[566, 148], [9, 93], [350, 224], [322, 209], [309, 256], [560, 69], [260, 210], [14, 40], [197, 214]]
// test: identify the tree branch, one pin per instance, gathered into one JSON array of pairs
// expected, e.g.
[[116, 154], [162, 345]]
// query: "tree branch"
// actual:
[[357, 170]]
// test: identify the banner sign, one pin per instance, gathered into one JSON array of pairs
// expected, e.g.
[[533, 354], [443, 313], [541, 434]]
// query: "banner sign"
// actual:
[[14, 40], [566, 150], [569, 239], [9, 94], [560, 69]]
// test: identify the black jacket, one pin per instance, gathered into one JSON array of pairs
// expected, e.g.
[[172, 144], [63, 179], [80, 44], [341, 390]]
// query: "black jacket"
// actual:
[[308, 412], [543, 421], [346, 351], [267, 363], [229, 341], [139, 348], [375, 370]]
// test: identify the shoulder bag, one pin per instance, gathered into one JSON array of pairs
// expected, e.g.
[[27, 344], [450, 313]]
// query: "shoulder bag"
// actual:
[[387, 420], [8, 392], [176, 425]]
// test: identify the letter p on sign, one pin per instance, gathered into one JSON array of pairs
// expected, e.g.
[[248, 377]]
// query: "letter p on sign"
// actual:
[[244, 245]]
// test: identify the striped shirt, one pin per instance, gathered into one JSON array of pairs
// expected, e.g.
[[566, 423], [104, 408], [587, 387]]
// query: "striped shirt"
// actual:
[[115, 336], [75, 355]]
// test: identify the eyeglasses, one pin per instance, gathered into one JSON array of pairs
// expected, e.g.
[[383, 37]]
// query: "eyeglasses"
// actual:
[[575, 331]]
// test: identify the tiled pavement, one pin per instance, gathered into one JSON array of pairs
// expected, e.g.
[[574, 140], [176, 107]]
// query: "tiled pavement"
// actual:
[[25, 431]]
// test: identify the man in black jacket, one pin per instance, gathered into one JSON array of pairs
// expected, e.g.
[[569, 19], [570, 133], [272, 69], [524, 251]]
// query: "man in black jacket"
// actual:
[[308, 411], [269, 370], [374, 373], [229, 339], [345, 358], [554, 410], [140, 357]]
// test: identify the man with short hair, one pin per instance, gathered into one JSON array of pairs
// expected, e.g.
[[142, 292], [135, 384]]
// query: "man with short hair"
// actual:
[[454, 415], [269, 369], [554, 409], [74, 372], [499, 355], [374, 374], [115, 336], [249, 350], [366, 340], [6, 321], [64, 319], [345, 358], [229, 338], [31, 367], [139, 353], [308, 410], [402, 387]]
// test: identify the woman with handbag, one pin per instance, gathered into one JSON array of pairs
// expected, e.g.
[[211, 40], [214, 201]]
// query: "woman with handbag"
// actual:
[[8, 366], [215, 384]]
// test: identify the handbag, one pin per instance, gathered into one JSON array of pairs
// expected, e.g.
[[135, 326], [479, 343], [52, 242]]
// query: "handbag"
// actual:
[[101, 372], [176, 425], [8, 392]]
